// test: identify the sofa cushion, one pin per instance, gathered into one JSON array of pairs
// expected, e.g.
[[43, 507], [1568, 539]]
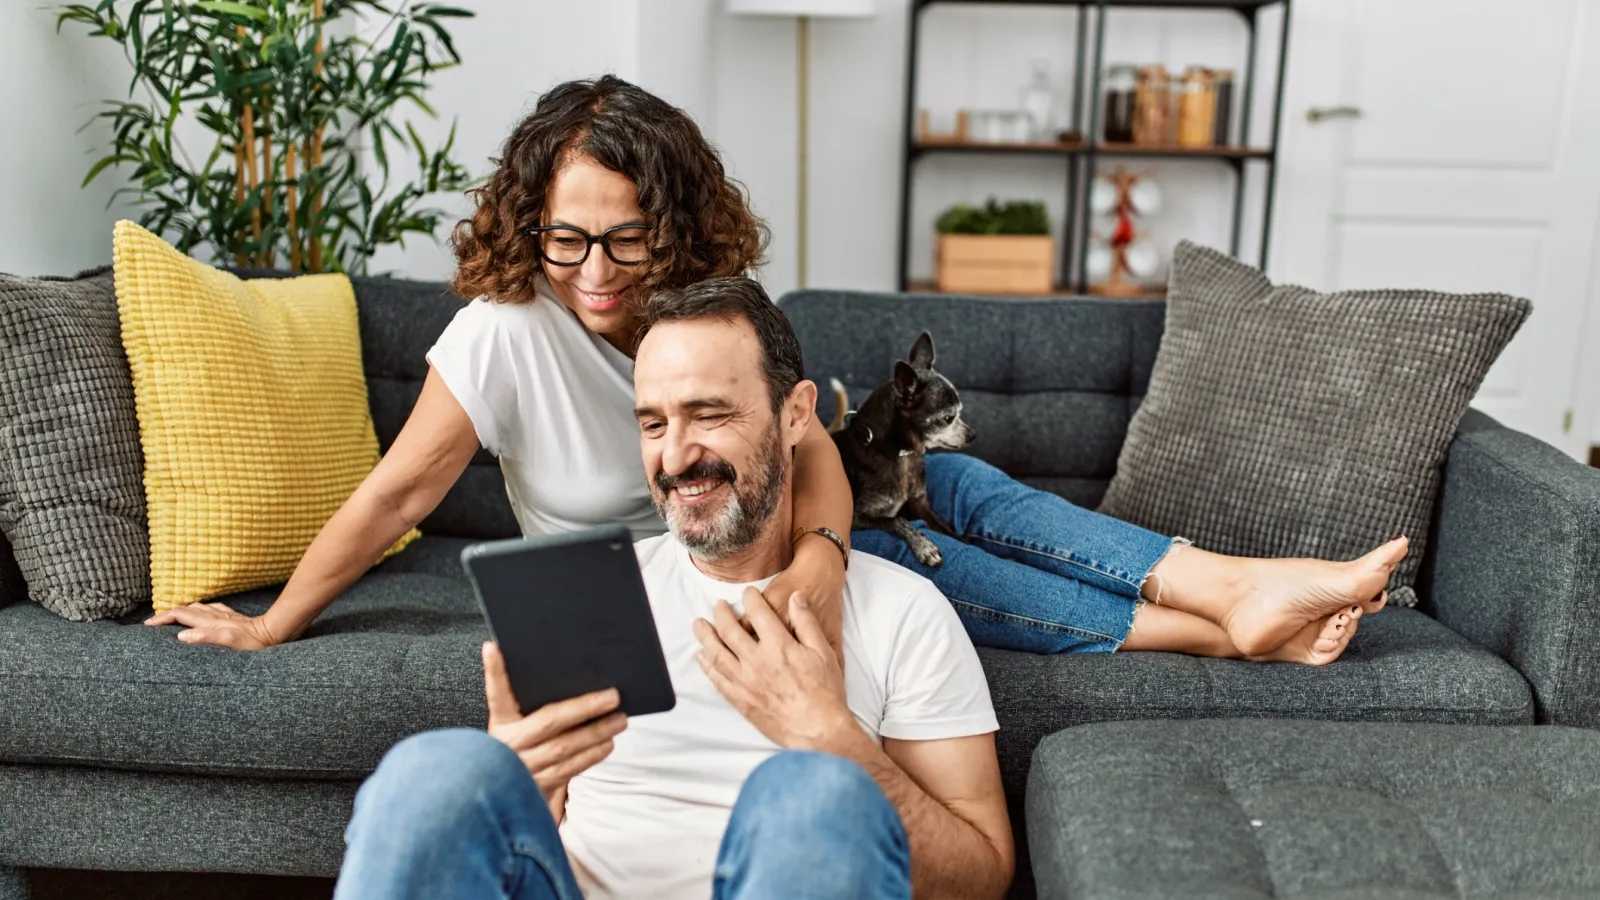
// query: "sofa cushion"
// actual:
[[1047, 385], [1284, 422], [397, 654], [71, 470], [1315, 810], [1402, 666], [71, 817], [253, 415]]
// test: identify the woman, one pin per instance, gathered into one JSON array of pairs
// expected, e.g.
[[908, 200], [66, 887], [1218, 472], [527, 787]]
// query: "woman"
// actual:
[[606, 193]]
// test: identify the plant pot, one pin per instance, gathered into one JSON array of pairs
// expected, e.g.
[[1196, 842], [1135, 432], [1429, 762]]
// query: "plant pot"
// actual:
[[995, 264]]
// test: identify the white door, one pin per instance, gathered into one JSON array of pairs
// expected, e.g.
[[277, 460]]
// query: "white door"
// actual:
[[1457, 148]]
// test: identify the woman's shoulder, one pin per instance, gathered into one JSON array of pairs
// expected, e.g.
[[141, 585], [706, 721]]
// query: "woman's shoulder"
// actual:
[[488, 315]]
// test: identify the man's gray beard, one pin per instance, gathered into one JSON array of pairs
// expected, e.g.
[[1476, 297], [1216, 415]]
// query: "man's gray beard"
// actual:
[[742, 520]]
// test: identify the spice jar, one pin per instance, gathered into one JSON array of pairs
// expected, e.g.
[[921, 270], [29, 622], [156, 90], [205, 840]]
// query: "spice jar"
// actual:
[[1152, 106], [1121, 84], [1197, 107]]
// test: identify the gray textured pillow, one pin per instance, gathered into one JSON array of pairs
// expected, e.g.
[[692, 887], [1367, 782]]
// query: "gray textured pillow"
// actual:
[[71, 470], [1284, 422], [12, 587]]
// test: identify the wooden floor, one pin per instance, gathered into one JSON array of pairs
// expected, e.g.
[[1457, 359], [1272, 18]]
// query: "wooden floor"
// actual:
[[59, 884]]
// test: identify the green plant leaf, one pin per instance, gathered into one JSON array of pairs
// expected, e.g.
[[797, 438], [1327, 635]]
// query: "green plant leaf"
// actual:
[[203, 61], [228, 8], [104, 163]]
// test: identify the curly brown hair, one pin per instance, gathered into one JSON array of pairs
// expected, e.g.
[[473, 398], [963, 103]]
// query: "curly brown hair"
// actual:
[[701, 225]]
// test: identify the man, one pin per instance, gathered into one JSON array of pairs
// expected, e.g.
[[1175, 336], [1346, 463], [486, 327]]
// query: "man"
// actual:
[[780, 773]]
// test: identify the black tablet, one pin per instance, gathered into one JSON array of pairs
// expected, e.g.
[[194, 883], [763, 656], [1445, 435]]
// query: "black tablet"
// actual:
[[571, 617]]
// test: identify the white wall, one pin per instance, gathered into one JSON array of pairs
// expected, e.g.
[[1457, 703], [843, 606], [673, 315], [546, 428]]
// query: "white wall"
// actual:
[[736, 76], [1586, 393], [676, 61], [511, 52], [971, 57], [50, 86]]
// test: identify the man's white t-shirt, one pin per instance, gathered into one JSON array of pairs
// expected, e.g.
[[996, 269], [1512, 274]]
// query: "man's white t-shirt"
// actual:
[[554, 402], [648, 821]]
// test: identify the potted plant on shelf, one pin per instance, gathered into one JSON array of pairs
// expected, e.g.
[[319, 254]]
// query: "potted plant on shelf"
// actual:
[[288, 119], [995, 249]]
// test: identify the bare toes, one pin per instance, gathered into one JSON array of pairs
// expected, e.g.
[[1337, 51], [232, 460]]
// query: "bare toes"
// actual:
[[1389, 555], [1326, 653]]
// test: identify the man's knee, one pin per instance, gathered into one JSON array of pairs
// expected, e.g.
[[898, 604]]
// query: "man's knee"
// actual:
[[802, 788], [797, 808], [437, 776]]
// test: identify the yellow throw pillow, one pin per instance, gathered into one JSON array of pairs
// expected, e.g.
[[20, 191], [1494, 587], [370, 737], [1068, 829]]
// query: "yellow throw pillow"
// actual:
[[253, 415]]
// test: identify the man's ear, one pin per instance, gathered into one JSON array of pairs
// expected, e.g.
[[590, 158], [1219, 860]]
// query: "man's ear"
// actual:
[[799, 410]]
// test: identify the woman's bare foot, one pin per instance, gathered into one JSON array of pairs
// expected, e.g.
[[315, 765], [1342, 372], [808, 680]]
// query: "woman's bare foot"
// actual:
[[1325, 640], [1285, 596]]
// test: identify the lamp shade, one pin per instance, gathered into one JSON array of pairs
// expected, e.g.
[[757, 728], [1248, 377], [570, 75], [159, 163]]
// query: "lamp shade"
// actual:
[[849, 9]]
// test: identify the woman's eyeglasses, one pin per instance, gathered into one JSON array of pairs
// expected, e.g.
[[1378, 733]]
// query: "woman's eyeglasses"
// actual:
[[565, 245]]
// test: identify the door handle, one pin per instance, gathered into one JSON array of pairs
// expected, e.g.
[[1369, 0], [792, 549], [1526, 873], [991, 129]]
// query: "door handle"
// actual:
[[1319, 113]]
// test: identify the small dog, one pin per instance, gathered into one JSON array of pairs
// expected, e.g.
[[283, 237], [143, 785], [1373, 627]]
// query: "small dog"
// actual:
[[884, 444]]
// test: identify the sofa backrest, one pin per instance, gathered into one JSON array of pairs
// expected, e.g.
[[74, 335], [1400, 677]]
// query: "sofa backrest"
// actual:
[[400, 320], [1048, 385]]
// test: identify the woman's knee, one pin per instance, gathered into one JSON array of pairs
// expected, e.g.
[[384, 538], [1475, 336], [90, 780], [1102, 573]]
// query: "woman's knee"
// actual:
[[959, 485], [954, 468]]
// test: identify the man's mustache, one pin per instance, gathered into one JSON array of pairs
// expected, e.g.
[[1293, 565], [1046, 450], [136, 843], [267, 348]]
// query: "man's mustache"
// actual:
[[700, 471]]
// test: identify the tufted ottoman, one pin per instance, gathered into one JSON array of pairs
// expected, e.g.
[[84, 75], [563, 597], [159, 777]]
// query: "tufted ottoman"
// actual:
[[1262, 808]]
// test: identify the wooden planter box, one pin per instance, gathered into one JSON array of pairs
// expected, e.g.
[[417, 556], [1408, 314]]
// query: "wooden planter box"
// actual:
[[995, 264]]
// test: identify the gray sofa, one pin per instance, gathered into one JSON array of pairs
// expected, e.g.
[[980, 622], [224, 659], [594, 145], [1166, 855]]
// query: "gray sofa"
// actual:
[[122, 749]]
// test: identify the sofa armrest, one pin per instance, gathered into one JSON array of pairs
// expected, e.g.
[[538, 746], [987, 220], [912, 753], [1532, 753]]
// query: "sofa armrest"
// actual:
[[1516, 565]]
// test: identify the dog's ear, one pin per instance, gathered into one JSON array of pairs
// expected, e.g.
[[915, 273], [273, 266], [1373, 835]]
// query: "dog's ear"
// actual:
[[922, 352], [905, 381]]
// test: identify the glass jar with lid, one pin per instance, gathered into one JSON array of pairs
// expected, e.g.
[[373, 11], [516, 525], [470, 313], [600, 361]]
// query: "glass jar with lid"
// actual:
[[1152, 107], [1197, 108], [1121, 85]]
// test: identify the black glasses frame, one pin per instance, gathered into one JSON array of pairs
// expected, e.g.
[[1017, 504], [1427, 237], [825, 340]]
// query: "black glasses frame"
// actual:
[[603, 239]]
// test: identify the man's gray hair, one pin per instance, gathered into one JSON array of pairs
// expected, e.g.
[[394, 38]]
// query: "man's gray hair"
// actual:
[[733, 299]]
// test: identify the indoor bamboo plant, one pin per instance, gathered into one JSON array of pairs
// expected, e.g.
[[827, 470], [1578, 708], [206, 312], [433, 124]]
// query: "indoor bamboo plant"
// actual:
[[263, 131]]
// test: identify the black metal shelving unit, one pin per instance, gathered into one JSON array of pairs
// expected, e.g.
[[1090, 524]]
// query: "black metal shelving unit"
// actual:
[[1081, 157]]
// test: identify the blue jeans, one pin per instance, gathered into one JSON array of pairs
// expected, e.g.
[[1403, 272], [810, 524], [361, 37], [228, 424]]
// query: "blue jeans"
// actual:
[[1032, 572], [454, 813]]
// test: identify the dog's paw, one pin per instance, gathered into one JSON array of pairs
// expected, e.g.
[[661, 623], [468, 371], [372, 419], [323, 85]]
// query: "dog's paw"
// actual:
[[927, 554]]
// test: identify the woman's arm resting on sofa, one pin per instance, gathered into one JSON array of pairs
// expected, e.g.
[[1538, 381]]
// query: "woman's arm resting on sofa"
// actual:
[[428, 456]]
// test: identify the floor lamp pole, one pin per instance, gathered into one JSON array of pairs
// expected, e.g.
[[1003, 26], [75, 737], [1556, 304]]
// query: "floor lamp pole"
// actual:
[[802, 79]]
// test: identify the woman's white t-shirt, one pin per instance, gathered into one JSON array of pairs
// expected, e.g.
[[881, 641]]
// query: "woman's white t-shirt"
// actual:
[[554, 402]]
